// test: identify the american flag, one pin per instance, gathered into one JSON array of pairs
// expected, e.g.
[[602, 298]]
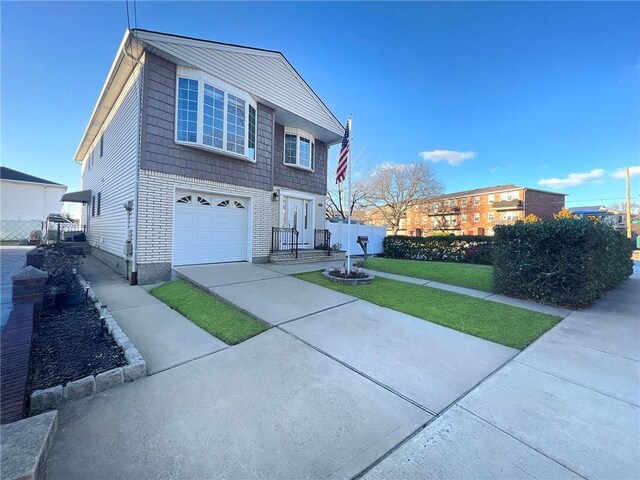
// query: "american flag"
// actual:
[[341, 173]]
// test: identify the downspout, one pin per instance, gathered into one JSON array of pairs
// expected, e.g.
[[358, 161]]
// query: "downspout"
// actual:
[[134, 237]]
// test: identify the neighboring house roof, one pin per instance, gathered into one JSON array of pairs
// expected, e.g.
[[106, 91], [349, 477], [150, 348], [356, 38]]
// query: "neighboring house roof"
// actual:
[[265, 74], [16, 176], [594, 210], [494, 189]]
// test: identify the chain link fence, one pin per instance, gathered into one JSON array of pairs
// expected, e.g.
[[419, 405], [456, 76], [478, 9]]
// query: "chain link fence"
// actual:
[[18, 230]]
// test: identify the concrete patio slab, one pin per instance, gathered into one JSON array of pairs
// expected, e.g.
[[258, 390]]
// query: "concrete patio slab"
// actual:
[[164, 337], [616, 334], [430, 364], [611, 374], [281, 299], [207, 276], [270, 407], [459, 445], [118, 297], [593, 434], [98, 273], [293, 269], [537, 307]]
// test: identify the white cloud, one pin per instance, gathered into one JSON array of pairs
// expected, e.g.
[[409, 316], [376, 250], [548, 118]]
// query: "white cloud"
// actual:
[[621, 173], [573, 179], [450, 156]]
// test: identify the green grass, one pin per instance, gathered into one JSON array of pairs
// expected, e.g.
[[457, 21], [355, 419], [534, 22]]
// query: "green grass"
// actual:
[[467, 275], [220, 319], [504, 324]]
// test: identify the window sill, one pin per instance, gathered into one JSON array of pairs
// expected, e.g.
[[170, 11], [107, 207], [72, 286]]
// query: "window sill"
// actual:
[[225, 153], [299, 167]]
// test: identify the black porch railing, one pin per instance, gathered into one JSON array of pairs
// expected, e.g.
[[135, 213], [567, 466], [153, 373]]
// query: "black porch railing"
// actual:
[[66, 232], [322, 240], [284, 239]]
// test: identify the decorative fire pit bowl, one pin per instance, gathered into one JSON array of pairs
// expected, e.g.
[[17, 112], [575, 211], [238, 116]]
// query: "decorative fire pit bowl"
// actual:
[[355, 276]]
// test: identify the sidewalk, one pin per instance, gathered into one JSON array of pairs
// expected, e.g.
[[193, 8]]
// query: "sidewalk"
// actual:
[[163, 336], [566, 407], [492, 297]]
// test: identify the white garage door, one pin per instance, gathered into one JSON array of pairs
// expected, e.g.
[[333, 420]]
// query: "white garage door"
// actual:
[[209, 229]]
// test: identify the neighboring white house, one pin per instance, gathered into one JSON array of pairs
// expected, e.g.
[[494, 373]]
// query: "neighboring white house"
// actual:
[[607, 215], [26, 201]]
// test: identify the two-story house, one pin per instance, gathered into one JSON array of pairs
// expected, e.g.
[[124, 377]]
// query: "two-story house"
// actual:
[[476, 212], [195, 151]]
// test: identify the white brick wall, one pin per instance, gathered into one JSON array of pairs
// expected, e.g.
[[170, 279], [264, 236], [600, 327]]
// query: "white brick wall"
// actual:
[[156, 205]]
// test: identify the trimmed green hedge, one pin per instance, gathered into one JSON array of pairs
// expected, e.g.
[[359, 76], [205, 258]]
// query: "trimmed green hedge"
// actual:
[[568, 262], [460, 249]]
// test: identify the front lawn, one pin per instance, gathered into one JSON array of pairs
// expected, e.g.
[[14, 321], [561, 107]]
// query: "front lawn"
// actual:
[[504, 324], [467, 275], [220, 319]]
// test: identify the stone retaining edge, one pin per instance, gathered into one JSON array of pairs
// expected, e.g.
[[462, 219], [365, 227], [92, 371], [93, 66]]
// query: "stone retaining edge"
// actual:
[[51, 398]]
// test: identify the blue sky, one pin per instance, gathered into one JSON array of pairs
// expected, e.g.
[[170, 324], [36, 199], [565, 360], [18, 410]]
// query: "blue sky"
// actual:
[[541, 94]]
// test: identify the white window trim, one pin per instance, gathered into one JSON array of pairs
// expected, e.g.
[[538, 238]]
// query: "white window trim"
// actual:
[[298, 132], [202, 78]]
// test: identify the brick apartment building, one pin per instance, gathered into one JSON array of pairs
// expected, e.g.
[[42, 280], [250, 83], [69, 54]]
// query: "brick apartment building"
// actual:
[[476, 212]]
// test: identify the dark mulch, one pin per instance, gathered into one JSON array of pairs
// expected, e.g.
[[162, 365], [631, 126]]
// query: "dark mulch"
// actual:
[[352, 274], [70, 344]]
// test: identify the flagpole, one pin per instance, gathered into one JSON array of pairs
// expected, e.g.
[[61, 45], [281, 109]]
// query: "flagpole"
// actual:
[[349, 167]]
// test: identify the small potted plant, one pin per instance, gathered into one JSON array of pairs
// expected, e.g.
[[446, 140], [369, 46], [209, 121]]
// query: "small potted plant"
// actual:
[[63, 285]]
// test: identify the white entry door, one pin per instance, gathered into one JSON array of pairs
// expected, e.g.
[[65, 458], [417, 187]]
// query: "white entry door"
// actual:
[[298, 216], [209, 229]]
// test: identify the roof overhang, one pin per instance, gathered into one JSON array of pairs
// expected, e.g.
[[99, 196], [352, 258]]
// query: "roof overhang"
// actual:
[[83, 196], [123, 65]]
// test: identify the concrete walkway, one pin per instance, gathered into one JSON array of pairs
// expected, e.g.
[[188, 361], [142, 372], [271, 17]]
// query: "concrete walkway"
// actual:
[[566, 407], [12, 260], [163, 336], [492, 297]]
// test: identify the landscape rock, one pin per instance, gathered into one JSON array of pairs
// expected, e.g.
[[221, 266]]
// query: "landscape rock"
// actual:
[[80, 388], [47, 399], [134, 371], [109, 379]]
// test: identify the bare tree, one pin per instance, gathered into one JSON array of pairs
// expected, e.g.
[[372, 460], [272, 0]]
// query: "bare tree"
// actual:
[[394, 188], [338, 203], [622, 207]]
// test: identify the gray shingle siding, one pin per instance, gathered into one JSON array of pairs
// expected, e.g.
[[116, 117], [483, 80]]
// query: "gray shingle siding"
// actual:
[[162, 154], [295, 178]]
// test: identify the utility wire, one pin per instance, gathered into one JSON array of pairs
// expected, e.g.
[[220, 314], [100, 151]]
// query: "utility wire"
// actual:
[[126, 2]]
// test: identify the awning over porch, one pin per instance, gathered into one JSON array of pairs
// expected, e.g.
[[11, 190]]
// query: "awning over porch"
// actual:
[[83, 196]]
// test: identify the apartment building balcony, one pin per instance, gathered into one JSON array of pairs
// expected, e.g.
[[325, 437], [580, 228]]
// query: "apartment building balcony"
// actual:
[[508, 205], [444, 211]]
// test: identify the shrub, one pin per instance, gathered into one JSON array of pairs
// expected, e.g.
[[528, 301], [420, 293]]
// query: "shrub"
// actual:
[[571, 262], [460, 249]]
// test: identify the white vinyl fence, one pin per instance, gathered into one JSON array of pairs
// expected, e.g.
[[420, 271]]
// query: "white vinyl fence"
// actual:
[[339, 234]]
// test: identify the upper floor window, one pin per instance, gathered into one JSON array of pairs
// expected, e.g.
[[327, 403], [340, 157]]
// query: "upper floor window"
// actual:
[[464, 202], [491, 198], [476, 217], [214, 115], [476, 200], [299, 149]]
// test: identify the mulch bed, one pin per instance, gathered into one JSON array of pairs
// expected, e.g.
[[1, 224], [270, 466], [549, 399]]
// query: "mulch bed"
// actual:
[[68, 345], [338, 274]]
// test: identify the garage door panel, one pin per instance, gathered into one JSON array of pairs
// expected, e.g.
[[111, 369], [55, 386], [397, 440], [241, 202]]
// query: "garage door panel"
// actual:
[[210, 233]]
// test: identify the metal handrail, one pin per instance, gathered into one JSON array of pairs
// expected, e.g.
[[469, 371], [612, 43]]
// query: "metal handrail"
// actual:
[[285, 239], [322, 240]]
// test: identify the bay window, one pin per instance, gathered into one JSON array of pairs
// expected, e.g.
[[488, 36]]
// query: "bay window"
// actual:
[[299, 148], [213, 115]]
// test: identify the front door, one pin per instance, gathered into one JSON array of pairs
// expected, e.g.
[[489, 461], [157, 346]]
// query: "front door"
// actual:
[[298, 216]]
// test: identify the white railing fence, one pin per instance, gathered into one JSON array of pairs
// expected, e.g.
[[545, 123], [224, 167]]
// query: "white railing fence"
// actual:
[[339, 234]]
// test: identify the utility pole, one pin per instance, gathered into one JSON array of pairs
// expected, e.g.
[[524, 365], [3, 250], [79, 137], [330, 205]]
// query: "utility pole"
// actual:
[[628, 205]]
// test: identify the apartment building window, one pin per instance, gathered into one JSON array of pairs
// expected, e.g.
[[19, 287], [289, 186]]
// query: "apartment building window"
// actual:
[[490, 216], [476, 217], [476, 200], [464, 217], [490, 198], [209, 115], [464, 202], [424, 219]]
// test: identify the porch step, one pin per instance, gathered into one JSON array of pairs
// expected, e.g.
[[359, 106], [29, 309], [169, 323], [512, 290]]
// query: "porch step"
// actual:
[[305, 256]]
